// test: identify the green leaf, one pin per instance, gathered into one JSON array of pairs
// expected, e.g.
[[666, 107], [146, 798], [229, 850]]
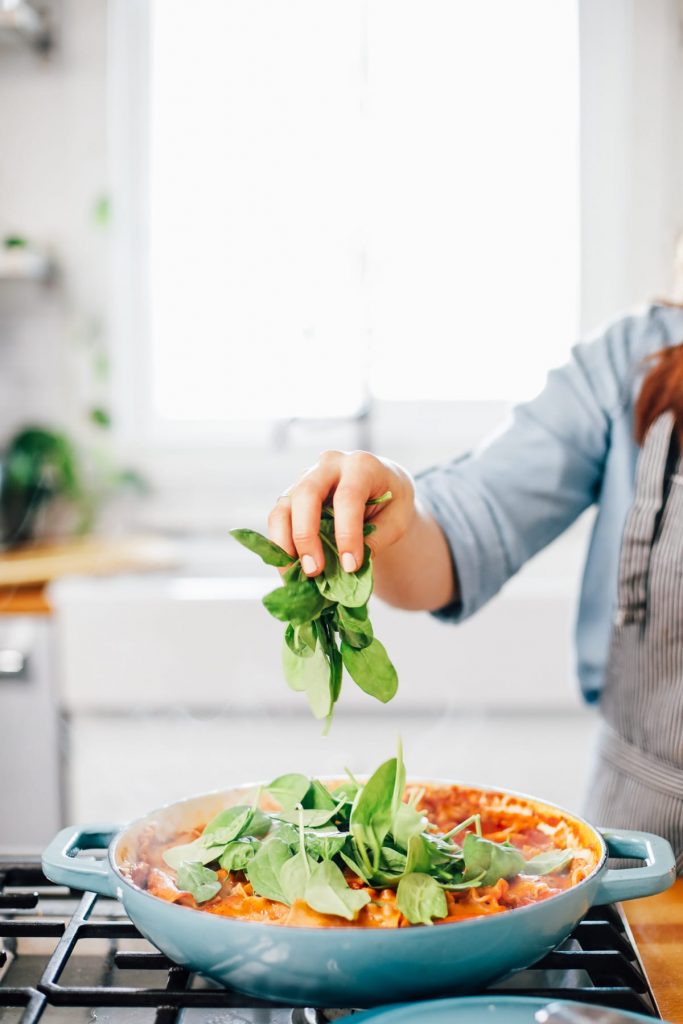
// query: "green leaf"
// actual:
[[420, 898], [263, 871], [371, 814], [289, 790], [407, 823], [196, 852], [310, 818], [200, 882], [324, 843], [319, 796], [328, 892], [310, 675], [352, 589], [294, 876], [297, 603], [355, 866], [393, 861], [295, 642], [355, 630], [236, 856], [490, 861], [270, 553], [234, 822], [549, 863], [371, 669]]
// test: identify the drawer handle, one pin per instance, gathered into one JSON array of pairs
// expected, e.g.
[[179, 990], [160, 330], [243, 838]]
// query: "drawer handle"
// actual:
[[12, 663]]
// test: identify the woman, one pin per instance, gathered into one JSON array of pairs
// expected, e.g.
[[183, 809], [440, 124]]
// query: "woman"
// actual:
[[606, 430]]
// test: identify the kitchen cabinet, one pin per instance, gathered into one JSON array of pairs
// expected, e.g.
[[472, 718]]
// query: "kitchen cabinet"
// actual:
[[30, 785]]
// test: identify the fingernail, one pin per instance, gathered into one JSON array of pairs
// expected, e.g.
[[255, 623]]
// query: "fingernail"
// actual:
[[348, 562], [308, 564]]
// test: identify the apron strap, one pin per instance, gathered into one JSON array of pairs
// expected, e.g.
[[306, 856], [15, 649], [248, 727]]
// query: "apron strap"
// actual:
[[642, 520]]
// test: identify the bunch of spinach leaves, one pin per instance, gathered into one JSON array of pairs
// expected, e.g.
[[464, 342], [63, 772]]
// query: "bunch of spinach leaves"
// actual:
[[327, 621], [306, 849]]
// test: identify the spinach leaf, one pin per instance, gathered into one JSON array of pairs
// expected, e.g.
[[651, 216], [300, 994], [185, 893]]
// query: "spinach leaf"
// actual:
[[263, 870], [490, 861], [237, 854], [371, 814], [196, 852], [297, 603], [310, 675], [352, 589], [354, 630], [407, 822], [327, 892], [355, 866], [269, 552], [318, 795], [324, 843], [393, 861], [420, 898], [549, 863], [234, 822], [371, 669], [289, 790], [417, 858], [313, 817], [317, 611], [200, 882], [294, 876], [296, 643]]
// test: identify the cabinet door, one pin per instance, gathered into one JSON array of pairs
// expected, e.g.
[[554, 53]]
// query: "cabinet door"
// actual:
[[30, 768]]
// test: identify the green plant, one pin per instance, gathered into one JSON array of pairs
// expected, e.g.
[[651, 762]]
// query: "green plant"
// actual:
[[327, 619], [39, 465]]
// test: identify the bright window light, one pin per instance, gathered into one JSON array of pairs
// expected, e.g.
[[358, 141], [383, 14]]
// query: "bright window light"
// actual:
[[359, 197]]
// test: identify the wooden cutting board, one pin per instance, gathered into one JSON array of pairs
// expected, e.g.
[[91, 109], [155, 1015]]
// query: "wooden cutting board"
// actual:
[[84, 556]]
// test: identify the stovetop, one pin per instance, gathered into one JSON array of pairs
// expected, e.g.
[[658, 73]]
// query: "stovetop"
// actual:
[[73, 957]]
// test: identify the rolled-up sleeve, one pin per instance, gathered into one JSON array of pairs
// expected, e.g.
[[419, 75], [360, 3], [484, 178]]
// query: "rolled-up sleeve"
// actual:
[[501, 504]]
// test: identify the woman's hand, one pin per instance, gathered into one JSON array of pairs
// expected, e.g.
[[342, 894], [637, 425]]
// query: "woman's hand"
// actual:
[[350, 479], [412, 564]]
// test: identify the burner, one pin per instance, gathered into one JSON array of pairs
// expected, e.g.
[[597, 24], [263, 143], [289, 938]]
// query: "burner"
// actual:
[[70, 959], [309, 1015]]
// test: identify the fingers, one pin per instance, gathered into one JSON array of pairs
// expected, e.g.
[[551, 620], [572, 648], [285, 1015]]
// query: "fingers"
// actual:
[[352, 478], [306, 501], [280, 525], [297, 517], [356, 485]]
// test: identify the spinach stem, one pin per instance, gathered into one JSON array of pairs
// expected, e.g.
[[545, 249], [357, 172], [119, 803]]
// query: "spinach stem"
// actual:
[[474, 819]]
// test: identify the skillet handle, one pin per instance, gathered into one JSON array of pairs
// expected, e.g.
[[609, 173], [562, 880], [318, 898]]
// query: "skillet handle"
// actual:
[[658, 874], [62, 865]]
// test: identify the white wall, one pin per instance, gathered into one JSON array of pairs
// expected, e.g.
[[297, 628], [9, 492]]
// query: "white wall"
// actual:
[[53, 171], [631, 152]]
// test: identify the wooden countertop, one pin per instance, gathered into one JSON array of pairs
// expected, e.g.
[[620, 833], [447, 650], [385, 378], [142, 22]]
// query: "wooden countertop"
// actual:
[[24, 601], [26, 571], [657, 926]]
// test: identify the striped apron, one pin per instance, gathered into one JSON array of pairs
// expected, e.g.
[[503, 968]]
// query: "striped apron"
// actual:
[[638, 776]]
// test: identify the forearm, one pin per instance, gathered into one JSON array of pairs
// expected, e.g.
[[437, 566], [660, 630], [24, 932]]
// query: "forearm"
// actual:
[[416, 572]]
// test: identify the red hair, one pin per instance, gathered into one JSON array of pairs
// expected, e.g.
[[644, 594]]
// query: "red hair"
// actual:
[[662, 390]]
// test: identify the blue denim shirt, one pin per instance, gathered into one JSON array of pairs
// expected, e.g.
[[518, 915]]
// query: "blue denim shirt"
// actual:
[[568, 449]]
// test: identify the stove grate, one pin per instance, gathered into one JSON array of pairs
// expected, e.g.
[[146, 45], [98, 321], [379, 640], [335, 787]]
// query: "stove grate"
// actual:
[[597, 964]]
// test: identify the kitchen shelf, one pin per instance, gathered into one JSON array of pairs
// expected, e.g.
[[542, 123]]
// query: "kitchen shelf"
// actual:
[[23, 22], [24, 263]]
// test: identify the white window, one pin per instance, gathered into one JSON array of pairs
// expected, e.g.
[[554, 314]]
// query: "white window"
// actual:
[[343, 200]]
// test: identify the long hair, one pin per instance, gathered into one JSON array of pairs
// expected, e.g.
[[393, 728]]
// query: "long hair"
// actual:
[[662, 390]]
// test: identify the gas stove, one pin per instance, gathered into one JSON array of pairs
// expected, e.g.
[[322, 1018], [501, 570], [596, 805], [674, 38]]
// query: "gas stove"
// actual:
[[67, 957]]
